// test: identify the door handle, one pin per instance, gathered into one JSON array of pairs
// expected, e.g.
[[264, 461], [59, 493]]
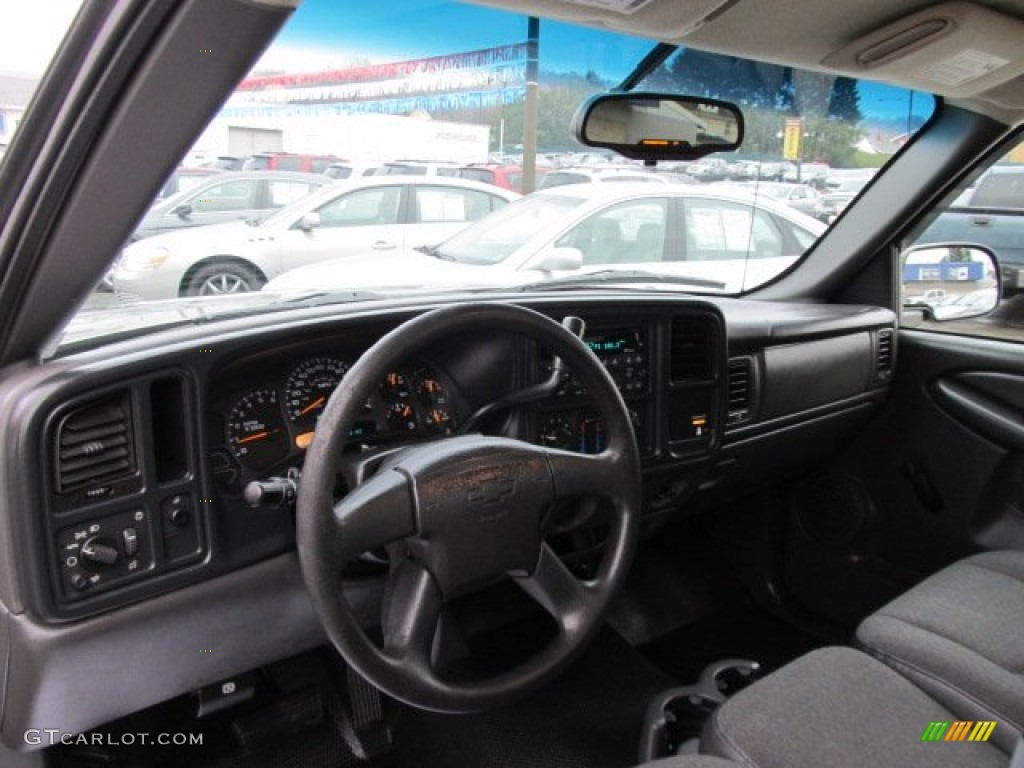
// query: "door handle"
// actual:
[[982, 221], [383, 245]]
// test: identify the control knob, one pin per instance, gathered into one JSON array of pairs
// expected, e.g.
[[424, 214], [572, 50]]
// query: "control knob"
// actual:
[[99, 552]]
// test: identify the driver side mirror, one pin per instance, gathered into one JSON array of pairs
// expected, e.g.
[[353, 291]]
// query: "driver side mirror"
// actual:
[[950, 281], [309, 222], [182, 211], [559, 259]]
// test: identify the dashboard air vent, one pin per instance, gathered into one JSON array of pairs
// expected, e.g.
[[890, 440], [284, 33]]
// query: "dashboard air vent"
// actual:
[[741, 390], [884, 354], [691, 350], [94, 444]]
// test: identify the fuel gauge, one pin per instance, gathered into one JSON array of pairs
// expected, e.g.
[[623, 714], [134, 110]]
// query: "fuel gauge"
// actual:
[[397, 396]]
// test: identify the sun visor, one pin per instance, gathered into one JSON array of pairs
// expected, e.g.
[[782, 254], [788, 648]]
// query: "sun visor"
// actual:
[[956, 49], [659, 20]]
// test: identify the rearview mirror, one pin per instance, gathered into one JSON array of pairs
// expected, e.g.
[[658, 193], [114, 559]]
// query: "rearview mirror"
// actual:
[[950, 281], [658, 126]]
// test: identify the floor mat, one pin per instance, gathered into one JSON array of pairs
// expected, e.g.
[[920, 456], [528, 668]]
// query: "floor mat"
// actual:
[[739, 631], [590, 717]]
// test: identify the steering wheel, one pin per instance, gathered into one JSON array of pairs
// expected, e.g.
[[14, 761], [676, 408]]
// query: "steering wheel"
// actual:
[[469, 510]]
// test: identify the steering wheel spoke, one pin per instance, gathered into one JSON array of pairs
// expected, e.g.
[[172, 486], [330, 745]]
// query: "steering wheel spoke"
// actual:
[[560, 593], [376, 513], [578, 474], [410, 615]]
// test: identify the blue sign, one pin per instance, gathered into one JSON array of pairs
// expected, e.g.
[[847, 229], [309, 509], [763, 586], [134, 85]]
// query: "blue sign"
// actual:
[[944, 272]]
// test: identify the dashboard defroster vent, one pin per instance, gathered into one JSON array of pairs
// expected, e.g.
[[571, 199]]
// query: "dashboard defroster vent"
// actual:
[[94, 444], [691, 351], [884, 355], [741, 390]]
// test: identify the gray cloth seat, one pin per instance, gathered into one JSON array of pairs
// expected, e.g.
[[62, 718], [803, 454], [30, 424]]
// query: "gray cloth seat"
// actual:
[[837, 708], [959, 635]]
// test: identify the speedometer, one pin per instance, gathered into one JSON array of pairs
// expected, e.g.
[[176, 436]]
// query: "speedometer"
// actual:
[[309, 387], [255, 431]]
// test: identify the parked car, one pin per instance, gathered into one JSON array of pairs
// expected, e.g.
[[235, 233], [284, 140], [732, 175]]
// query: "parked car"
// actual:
[[183, 179], [601, 174], [224, 163], [226, 197], [709, 169], [992, 214], [288, 161], [417, 168], [504, 176], [346, 170], [839, 195], [799, 197], [683, 231], [379, 214]]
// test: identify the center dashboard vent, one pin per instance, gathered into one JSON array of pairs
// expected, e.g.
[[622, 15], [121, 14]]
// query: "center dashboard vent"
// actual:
[[95, 445], [692, 358], [741, 390]]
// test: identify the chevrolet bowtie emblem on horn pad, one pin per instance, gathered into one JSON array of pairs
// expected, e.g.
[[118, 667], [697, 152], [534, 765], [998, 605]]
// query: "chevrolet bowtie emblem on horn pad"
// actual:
[[491, 486]]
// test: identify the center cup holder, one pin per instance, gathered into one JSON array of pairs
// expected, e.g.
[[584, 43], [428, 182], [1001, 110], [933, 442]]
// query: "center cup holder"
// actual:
[[675, 718]]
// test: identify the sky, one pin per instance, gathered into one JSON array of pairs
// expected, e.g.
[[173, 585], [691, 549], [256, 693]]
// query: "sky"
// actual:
[[314, 39], [400, 30], [381, 32]]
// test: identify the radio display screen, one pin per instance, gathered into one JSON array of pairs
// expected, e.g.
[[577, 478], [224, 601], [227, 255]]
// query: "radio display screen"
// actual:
[[614, 342]]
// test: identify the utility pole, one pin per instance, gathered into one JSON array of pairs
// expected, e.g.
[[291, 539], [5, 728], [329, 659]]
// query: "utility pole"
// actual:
[[530, 112]]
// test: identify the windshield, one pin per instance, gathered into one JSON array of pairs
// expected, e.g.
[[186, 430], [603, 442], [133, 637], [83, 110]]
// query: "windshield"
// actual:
[[417, 101], [494, 240]]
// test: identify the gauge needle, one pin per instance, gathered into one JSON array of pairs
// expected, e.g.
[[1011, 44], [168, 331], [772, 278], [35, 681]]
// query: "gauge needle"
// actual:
[[256, 436], [315, 404]]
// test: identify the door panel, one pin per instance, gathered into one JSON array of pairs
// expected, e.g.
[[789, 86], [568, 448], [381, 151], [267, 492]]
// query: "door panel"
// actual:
[[937, 475]]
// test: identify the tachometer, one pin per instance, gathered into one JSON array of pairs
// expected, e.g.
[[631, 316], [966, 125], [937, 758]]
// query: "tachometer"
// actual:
[[255, 430], [308, 388]]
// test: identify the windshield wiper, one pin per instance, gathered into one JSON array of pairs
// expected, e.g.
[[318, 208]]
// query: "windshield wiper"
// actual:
[[320, 298], [606, 276]]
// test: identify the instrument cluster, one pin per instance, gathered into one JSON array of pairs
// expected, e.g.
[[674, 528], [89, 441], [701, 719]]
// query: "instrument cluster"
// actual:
[[272, 424]]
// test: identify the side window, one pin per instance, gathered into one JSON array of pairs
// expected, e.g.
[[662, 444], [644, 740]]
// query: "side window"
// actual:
[[230, 196], [949, 287], [719, 229], [442, 204], [365, 207], [282, 193], [288, 163], [628, 232]]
